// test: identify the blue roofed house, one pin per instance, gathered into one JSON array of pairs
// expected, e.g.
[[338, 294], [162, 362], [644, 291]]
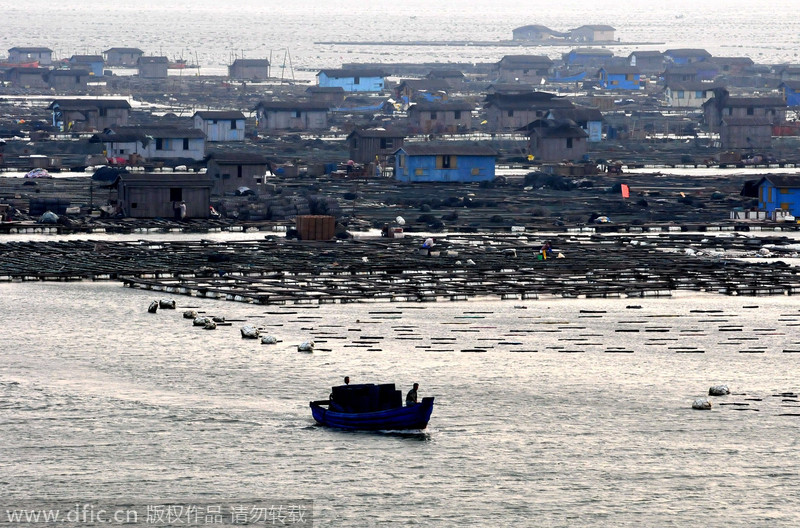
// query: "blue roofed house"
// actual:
[[444, 162], [779, 192], [353, 80], [93, 63], [621, 78]]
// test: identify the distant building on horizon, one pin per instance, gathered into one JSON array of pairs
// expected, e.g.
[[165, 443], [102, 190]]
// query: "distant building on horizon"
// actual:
[[122, 56], [23, 55], [249, 70]]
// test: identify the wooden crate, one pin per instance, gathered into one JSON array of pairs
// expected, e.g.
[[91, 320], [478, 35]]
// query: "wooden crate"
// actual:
[[315, 227]]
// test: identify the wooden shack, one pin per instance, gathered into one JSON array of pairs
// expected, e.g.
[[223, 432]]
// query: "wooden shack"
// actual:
[[153, 67], [374, 144], [122, 56], [249, 70], [231, 170], [154, 195], [745, 132]]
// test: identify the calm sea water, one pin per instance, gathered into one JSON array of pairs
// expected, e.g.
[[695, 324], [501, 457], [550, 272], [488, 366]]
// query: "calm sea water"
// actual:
[[550, 426], [578, 412], [212, 33]]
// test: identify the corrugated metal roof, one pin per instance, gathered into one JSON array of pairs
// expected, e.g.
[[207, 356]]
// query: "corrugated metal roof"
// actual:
[[592, 52], [378, 133], [153, 60], [124, 50], [86, 58], [219, 114], [31, 50], [595, 27], [621, 70], [243, 158], [449, 106], [687, 52], [88, 104], [348, 73], [68, 73], [425, 84], [200, 180], [252, 63], [292, 105], [782, 180], [159, 132], [526, 60], [447, 149]]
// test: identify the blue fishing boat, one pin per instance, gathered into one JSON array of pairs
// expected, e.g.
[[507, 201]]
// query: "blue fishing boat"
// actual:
[[370, 407]]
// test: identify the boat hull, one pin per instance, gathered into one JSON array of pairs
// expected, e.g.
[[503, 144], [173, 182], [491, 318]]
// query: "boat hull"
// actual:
[[402, 418]]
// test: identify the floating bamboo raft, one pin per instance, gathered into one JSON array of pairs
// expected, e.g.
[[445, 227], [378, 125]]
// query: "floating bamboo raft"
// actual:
[[274, 270]]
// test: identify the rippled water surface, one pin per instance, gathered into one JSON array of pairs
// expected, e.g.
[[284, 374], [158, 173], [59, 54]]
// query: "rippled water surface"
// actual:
[[211, 33], [561, 413], [544, 416]]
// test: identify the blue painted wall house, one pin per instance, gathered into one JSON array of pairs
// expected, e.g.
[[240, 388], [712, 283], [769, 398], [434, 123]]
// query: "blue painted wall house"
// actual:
[[620, 78], [791, 92], [93, 63], [352, 80], [779, 192], [444, 162]]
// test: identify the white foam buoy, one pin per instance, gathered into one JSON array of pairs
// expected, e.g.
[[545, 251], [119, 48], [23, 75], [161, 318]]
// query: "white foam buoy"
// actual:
[[268, 340], [306, 346]]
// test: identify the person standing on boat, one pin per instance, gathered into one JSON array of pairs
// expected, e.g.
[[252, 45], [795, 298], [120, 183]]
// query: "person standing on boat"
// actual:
[[347, 380], [183, 210], [411, 397]]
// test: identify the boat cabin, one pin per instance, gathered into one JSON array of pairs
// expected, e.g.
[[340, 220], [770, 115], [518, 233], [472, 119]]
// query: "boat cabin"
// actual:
[[366, 397]]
